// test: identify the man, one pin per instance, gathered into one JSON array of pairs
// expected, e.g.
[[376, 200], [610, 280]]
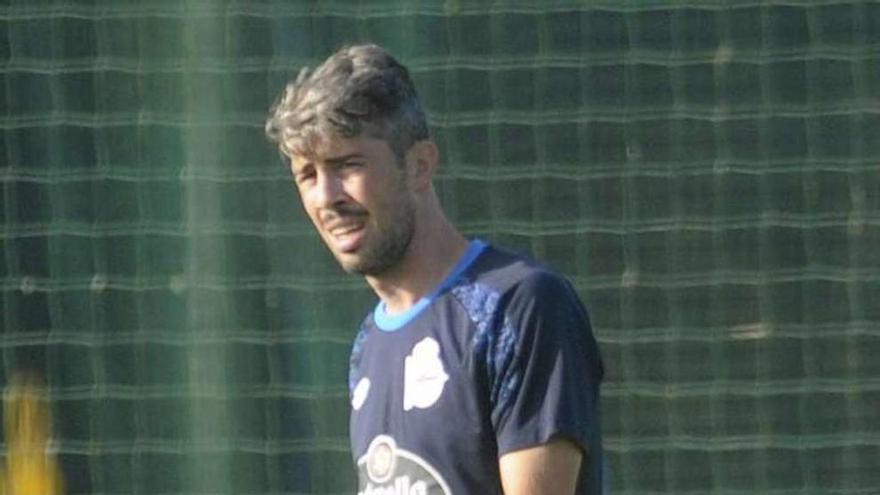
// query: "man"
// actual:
[[477, 373]]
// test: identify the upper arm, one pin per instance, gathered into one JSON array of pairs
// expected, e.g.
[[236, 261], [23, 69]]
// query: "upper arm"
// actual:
[[545, 413], [544, 370], [548, 469]]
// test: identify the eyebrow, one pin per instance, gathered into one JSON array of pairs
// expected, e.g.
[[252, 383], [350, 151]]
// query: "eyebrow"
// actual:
[[336, 160], [339, 159]]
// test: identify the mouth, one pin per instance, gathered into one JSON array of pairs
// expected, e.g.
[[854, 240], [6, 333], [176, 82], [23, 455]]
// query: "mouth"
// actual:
[[347, 237]]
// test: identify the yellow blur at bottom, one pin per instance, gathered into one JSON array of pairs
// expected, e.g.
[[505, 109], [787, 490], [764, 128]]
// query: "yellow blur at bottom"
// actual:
[[30, 469]]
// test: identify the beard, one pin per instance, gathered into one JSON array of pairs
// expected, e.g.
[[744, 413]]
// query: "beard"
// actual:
[[387, 249], [386, 241]]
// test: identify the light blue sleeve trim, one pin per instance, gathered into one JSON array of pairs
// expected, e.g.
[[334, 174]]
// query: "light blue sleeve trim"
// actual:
[[390, 323]]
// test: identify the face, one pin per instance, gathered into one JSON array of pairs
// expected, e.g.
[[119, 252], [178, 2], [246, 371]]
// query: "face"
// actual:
[[355, 192]]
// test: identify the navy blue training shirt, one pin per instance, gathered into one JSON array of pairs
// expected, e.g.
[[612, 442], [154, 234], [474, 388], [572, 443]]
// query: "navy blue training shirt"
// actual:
[[500, 357]]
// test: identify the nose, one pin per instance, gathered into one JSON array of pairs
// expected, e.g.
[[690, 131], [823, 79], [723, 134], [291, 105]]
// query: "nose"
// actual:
[[328, 190]]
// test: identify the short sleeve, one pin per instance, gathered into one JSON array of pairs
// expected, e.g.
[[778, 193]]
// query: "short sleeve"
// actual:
[[543, 367]]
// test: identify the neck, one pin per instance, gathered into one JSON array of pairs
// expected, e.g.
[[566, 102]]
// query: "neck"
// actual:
[[435, 248]]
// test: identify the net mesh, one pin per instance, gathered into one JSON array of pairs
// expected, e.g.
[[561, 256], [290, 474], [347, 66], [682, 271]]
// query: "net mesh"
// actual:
[[707, 176]]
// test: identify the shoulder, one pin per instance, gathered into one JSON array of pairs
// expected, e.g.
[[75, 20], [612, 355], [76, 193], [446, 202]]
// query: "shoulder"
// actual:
[[484, 288], [510, 279], [504, 293], [357, 349]]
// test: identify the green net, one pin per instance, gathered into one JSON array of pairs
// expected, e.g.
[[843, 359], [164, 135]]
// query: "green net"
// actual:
[[707, 175]]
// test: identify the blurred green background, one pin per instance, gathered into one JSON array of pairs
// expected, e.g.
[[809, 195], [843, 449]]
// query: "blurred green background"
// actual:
[[707, 173]]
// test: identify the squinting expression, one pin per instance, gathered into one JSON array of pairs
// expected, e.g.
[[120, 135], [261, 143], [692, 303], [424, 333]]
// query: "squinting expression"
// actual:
[[355, 192]]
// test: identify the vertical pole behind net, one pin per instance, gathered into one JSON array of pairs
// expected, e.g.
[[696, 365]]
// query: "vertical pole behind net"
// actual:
[[208, 466]]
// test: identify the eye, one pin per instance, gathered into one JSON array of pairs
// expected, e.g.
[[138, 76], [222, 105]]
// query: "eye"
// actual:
[[304, 176]]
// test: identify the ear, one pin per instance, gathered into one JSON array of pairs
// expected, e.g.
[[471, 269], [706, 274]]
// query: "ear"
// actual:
[[422, 159]]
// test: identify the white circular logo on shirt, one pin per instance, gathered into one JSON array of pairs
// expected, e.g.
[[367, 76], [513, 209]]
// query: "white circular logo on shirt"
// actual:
[[387, 469], [424, 376]]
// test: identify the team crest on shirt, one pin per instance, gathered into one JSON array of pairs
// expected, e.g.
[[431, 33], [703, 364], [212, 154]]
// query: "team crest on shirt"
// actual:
[[387, 469], [424, 376]]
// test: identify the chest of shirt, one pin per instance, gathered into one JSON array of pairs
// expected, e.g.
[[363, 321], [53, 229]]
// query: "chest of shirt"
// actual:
[[420, 386], [419, 392]]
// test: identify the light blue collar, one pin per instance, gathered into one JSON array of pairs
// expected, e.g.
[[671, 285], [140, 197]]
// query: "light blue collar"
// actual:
[[390, 323]]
